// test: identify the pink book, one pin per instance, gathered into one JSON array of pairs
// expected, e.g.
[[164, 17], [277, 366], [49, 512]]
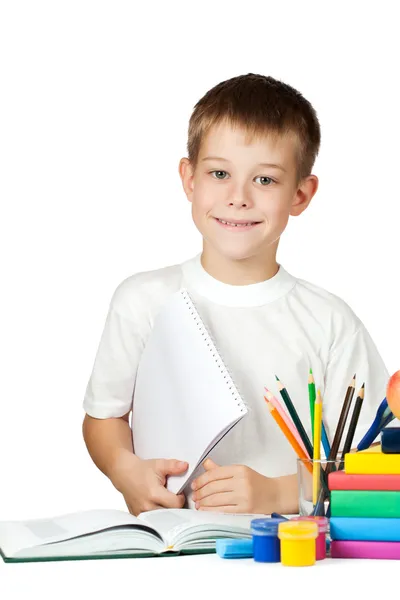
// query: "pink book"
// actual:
[[339, 480], [359, 549]]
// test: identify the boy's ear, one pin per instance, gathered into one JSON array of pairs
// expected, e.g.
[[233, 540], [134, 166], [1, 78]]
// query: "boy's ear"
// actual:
[[187, 175], [305, 192]]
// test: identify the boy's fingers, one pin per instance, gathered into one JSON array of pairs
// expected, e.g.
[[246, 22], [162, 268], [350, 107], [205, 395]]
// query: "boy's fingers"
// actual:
[[209, 464], [170, 466], [168, 499], [218, 500], [213, 475], [214, 487]]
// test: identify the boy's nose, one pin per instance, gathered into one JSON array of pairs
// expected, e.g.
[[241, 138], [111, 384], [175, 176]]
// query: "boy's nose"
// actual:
[[239, 201], [238, 204]]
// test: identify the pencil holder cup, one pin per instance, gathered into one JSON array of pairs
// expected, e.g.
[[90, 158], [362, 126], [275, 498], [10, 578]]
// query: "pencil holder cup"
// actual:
[[314, 496]]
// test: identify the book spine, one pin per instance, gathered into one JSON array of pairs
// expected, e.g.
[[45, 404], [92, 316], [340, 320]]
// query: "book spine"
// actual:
[[365, 504], [373, 464], [365, 529], [339, 480], [358, 549]]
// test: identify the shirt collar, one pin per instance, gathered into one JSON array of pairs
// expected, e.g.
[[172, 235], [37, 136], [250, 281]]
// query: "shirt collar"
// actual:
[[254, 294]]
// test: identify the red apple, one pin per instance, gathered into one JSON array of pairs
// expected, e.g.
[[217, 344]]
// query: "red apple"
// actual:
[[393, 394]]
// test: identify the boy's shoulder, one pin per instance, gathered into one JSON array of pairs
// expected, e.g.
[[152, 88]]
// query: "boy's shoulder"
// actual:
[[146, 290], [336, 315]]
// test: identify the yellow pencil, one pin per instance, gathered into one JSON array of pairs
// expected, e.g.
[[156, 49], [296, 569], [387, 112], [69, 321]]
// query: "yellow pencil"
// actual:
[[317, 446]]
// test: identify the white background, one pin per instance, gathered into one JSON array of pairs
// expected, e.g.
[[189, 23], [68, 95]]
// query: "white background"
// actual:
[[94, 106]]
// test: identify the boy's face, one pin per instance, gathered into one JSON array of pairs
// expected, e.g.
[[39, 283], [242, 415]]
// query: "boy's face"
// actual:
[[240, 189]]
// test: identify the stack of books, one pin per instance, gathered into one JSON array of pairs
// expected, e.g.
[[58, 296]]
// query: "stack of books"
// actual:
[[365, 506]]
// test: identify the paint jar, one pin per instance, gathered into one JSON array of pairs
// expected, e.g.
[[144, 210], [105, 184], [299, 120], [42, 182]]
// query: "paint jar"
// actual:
[[266, 544], [320, 542], [298, 543]]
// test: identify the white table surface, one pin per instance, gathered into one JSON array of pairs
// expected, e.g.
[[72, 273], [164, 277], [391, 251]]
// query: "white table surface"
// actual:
[[204, 576]]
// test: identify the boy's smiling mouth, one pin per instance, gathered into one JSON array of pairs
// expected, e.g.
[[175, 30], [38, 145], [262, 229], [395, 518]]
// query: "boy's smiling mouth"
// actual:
[[238, 224]]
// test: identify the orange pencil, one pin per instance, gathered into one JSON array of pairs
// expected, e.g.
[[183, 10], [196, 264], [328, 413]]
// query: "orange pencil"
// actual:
[[289, 436], [275, 403]]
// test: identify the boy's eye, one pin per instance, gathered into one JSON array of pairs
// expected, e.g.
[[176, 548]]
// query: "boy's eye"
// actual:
[[267, 179], [212, 172]]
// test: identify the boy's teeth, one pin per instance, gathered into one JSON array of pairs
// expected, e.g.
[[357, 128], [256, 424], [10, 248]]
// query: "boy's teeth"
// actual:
[[235, 224]]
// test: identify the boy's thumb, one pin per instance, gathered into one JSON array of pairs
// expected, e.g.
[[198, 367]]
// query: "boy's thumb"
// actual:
[[171, 466], [209, 464]]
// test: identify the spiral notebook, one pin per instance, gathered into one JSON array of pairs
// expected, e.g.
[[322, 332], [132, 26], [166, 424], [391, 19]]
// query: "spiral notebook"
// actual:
[[184, 399]]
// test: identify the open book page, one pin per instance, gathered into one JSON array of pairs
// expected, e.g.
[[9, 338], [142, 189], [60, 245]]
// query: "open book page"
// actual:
[[181, 526], [18, 535]]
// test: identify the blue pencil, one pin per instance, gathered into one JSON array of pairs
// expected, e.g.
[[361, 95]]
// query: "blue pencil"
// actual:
[[383, 417], [325, 441]]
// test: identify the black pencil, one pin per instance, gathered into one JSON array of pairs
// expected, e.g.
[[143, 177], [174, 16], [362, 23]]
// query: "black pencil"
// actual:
[[341, 424], [296, 419], [353, 425], [350, 434]]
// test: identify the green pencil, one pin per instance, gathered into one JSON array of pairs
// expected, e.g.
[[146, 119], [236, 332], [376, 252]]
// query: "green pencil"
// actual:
[[312, 396], [295, 417]]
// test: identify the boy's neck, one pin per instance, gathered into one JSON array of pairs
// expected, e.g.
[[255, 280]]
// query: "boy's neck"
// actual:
[[246, 271]]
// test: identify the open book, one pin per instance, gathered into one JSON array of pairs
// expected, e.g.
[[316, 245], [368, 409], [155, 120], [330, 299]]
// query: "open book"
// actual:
[[118, 534], [184, 399]]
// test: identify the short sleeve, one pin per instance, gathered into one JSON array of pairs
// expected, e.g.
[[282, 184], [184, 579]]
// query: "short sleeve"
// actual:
[[356, 355], [110, 388]]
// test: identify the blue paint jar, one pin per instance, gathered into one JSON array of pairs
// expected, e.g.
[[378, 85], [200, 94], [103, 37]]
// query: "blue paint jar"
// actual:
[[266, 544]]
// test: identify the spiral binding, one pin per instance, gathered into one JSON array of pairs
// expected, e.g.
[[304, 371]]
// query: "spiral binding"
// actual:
[[212, 347]]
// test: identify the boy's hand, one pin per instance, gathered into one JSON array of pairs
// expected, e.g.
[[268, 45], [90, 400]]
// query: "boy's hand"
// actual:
[[142, 482], [234, 489]]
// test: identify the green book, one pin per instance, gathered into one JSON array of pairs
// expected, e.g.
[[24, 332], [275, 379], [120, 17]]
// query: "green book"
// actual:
[[365, 503]]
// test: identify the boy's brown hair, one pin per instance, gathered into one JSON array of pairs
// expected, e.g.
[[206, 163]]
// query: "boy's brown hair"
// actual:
[[263, 106]]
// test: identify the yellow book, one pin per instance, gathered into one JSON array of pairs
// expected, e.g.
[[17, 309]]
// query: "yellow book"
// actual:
[[372, 450], [372, 462]]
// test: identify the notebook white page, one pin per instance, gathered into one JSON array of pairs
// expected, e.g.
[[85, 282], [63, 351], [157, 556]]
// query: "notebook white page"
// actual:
[[184, 397]]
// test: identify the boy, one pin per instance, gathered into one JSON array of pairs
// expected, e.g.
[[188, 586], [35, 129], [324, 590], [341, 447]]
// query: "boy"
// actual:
[[252, 144]]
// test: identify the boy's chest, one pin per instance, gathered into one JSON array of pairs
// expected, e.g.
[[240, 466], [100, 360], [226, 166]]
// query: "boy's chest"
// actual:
[[257, 345]]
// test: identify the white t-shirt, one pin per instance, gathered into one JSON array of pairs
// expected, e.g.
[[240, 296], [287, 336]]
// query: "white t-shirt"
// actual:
[[281, 326]]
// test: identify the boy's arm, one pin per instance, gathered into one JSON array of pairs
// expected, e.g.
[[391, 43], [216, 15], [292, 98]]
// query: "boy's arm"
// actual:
[[106, 440], [357, 354], [287, 497]]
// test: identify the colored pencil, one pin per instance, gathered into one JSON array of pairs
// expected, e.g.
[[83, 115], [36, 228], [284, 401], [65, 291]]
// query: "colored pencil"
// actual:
[[341, 423], [336, 442], [296, 420], [382, 418], [311, 395], [275, 402], [353, 424], [275, 515], [325, 441], [288, 434], [317, 447]]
